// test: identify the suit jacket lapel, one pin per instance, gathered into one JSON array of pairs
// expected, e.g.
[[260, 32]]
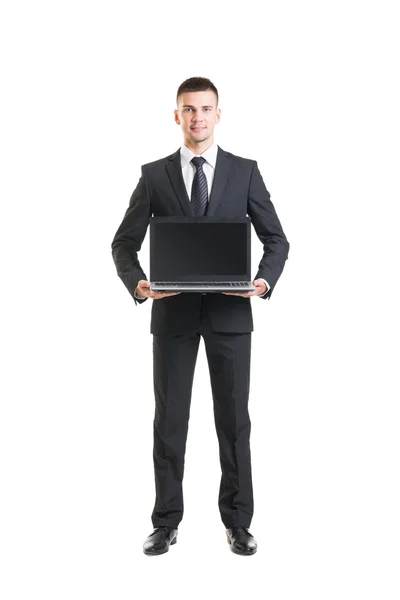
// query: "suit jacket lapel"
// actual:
[[174, 171], [222, 168]]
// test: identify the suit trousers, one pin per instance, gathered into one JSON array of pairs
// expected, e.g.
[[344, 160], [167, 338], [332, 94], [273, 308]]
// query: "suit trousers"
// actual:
[[174, 360]]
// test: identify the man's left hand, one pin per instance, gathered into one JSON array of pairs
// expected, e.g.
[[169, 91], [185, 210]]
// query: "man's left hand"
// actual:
[[260, 286]]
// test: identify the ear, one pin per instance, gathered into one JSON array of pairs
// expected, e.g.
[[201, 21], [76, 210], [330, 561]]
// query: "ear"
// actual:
[[176, 115]]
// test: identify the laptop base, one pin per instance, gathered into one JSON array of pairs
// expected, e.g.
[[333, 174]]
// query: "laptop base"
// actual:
[[205, 289]]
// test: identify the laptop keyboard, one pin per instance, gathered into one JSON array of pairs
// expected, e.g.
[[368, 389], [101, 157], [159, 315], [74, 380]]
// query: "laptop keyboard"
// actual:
[[203, 284]]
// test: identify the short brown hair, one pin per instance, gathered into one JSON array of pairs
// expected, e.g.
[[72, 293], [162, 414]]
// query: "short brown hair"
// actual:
[[196, 84]]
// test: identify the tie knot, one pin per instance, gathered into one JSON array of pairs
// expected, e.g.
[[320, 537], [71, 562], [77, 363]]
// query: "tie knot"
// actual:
[[198, 161]]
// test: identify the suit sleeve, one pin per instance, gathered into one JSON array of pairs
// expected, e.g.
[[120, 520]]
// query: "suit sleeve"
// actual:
[[129, 237], [269, 230]]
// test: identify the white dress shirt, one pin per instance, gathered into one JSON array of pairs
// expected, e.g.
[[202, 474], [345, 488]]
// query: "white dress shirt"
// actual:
[[189, 171]]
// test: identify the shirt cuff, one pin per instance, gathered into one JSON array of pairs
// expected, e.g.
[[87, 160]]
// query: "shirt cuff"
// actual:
[[266, 283]]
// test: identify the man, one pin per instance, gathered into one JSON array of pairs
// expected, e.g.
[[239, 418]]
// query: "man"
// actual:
[[200, 179]]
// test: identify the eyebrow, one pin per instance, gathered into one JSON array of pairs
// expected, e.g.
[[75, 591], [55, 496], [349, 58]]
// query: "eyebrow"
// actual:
[[191, 106]]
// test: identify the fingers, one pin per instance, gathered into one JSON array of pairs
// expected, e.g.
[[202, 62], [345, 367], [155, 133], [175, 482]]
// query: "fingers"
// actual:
[[237, 294], [144, 290], [159, 295], [144, 287], [248, 295]]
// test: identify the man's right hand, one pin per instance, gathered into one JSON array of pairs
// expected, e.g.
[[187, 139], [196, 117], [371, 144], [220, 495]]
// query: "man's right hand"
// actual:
[[143, 289]]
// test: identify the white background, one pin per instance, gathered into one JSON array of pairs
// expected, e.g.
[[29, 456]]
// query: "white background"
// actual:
[[310, 91]]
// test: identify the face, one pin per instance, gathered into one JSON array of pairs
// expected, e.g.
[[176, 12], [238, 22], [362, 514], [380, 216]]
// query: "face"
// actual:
[[197, 114]]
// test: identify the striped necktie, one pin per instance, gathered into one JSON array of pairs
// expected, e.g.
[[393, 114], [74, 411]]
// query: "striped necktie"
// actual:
[[199, 194]]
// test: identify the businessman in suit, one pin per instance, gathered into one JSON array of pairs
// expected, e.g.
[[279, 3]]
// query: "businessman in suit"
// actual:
[[200, 178]]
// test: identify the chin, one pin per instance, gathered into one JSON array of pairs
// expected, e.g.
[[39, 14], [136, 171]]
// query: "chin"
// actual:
[[199, 139]]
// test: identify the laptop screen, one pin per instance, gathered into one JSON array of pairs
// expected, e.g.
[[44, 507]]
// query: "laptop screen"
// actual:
[[199, 251]]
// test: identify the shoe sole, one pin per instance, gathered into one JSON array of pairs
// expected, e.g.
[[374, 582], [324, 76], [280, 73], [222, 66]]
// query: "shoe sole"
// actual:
[[237, 551], [150, 553]]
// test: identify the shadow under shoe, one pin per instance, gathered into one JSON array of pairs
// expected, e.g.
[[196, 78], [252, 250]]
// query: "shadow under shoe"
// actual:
[[160, 540], [241, 541]]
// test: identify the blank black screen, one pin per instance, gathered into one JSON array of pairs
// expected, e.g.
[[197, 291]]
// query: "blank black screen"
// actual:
[[196, 250]]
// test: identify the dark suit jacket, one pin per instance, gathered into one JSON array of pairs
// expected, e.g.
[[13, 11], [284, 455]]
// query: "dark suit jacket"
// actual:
[[238, 190]]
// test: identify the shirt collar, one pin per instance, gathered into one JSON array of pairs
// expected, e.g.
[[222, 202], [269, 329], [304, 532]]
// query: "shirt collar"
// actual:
[[210, 155]]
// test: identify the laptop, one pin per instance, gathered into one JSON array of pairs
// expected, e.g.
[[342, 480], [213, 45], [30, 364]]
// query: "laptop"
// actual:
[[200, 254]]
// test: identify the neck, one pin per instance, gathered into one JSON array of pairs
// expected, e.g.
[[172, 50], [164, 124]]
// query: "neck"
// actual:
[[199, 147]]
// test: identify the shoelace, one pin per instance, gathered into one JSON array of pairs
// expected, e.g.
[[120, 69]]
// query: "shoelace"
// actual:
[[235, 529], [165, 527]]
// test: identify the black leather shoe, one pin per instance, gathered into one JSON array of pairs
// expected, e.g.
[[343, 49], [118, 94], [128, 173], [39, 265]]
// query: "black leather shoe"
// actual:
[[241, 541], [160, 540]]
